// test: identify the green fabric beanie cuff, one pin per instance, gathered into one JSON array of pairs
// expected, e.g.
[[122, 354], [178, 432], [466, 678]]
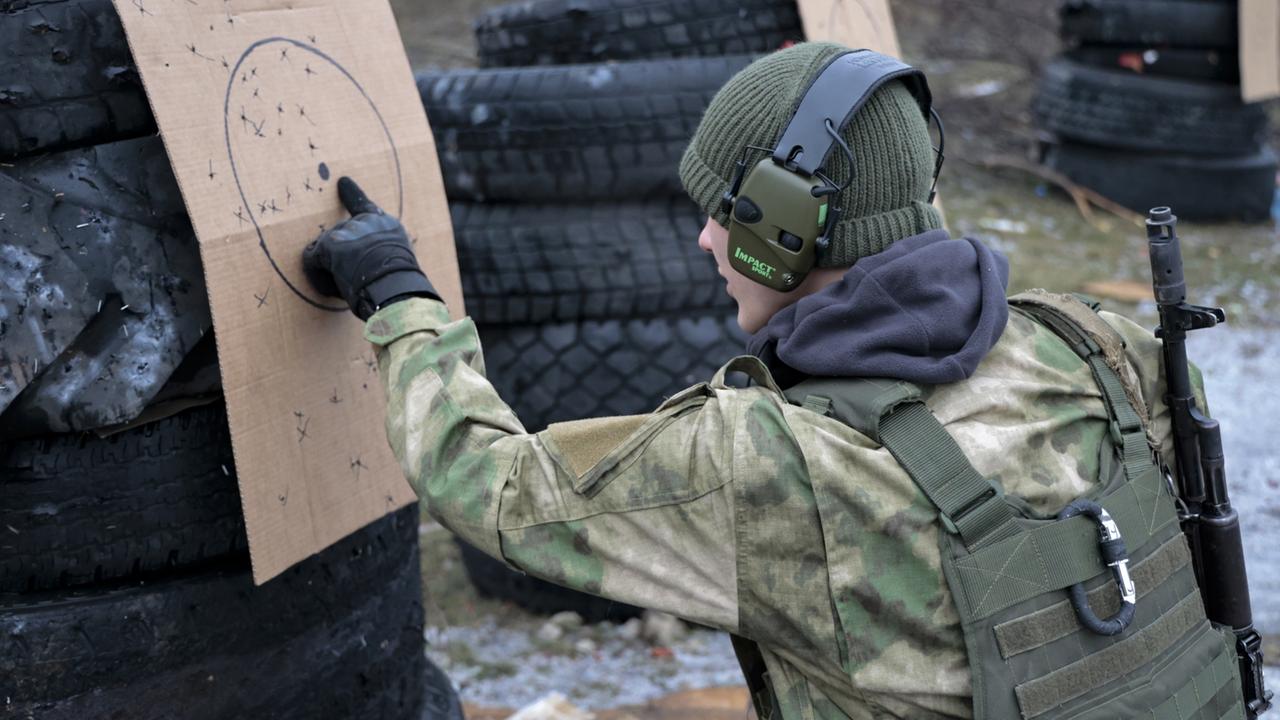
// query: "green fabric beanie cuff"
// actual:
[[859, 237], [704, 185]]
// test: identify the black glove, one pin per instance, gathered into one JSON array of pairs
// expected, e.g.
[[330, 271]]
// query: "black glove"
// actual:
[[366, 260]]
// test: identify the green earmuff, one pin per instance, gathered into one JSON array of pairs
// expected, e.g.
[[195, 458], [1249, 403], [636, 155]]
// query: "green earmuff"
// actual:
[[780, 211], [775, 222]]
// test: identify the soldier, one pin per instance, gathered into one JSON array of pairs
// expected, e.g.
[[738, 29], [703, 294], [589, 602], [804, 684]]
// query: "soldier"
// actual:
[[760, 510]]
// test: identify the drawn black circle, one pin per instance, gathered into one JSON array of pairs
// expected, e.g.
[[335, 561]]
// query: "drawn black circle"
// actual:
[[324, 171], [226, 127]]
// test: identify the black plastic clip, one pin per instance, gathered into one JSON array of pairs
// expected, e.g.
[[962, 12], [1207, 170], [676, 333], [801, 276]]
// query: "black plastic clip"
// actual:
[[1116, 556]]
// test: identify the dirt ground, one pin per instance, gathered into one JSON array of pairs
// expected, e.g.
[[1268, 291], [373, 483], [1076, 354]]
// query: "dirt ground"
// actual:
[[982, 58]]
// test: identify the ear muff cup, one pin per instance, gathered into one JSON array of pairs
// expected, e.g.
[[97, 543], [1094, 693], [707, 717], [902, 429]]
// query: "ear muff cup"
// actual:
[[780, 217]]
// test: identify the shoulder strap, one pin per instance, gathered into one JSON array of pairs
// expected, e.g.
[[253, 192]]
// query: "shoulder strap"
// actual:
[[1102, 348], [860, 403], [1063, 312], [892, 413]]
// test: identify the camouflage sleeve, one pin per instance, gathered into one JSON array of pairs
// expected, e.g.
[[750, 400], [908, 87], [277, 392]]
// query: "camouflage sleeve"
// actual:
[[1144, 354], [640, 509]]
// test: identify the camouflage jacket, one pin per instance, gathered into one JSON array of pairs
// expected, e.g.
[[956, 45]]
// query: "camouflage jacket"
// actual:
[[732, 508]]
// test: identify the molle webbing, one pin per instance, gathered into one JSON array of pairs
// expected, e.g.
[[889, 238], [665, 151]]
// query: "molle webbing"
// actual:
[[1213, 693], [1058, 621], [1067, 683], [1050, 556]]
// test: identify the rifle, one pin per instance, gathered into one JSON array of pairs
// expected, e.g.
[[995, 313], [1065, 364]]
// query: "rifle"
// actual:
[[1211, 525]]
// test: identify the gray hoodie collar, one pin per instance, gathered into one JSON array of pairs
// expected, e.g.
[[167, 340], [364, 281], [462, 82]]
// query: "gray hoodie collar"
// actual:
[[927, 310]]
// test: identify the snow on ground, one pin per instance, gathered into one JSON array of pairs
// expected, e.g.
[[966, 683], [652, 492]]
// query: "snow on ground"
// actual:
[[510, 667]]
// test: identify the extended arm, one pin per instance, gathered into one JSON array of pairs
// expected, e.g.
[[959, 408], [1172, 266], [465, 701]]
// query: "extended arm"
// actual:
[[636, 508], [639, 508]]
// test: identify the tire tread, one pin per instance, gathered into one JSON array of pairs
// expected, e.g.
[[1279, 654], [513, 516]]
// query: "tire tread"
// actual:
[[1120, 109], [569, 133], [561, 32]]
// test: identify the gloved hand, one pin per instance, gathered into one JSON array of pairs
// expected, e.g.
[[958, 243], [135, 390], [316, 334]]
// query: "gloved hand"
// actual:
[[366, 260]]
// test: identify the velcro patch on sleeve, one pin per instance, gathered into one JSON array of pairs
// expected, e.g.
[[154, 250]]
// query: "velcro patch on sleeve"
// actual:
[[583, 443]]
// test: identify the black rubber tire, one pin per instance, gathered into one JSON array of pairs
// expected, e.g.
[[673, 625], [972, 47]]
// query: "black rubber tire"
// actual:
[[101, 286], [569, 133], [561, 32], [77, 510], [496, 581], [1120, 109], [1196, 187], [440, 699], [1178, 23], [566, 371], [337, 636], [66, 78], [526, 263], [1221, 66]]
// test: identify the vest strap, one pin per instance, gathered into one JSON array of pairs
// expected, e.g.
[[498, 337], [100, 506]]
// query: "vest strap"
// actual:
[[891, 413], [1070, 316], [970, 505], [1101, 347]]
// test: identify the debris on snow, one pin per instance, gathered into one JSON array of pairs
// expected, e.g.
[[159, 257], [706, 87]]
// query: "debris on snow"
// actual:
[[663, 629], [567, 620], [549, 632], [552, 707]]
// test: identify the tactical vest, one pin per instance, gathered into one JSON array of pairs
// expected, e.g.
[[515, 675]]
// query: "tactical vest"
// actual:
[[1018, 580]]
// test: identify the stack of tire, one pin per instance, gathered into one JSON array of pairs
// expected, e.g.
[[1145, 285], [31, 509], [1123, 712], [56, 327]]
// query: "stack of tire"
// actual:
[[1144, 107], [577, 245], [125, 585]]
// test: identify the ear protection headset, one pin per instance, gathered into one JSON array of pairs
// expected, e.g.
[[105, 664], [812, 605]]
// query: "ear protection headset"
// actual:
[[780, 217]]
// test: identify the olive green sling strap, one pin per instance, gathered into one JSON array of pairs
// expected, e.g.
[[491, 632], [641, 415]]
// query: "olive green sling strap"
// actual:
[[1030, 653]]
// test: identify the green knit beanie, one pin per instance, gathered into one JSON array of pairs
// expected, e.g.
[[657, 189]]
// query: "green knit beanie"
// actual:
[[887, 198]]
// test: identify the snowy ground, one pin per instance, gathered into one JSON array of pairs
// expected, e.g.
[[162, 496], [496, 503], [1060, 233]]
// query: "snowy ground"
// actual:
[[510, 667], [501, 656]]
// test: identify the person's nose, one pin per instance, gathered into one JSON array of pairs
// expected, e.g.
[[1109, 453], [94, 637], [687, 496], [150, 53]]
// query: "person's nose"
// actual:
[[704, 240]]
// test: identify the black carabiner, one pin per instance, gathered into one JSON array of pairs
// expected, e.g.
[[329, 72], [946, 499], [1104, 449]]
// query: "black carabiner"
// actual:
[[1116, 556]]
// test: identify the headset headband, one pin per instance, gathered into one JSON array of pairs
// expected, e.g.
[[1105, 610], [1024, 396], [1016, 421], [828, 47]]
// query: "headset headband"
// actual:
[[838, 92]]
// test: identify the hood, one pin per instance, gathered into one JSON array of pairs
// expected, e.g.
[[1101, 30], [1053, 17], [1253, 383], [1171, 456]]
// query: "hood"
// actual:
[[926, 310]]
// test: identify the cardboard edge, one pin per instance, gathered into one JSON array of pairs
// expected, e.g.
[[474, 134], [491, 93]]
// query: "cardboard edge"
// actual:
[[218, 339], [1259, 40]]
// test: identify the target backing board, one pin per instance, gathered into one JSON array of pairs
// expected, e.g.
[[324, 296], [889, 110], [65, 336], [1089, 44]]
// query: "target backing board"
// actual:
[[853, 23], [263, 105], [1259, 49]]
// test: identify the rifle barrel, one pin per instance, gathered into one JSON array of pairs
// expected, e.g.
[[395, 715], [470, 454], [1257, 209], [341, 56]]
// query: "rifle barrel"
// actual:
[[1170, 287]]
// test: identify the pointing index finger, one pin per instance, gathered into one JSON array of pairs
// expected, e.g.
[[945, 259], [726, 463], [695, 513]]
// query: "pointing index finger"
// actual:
[[354, 199]]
